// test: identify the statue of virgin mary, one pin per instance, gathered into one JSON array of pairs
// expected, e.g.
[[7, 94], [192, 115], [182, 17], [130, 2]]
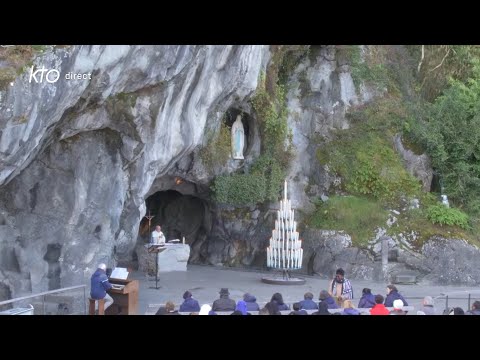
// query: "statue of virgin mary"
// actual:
[[238, 139]]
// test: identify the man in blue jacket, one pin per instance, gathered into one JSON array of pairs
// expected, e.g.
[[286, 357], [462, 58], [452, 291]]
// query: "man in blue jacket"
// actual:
[[100, 285], [189, 304]]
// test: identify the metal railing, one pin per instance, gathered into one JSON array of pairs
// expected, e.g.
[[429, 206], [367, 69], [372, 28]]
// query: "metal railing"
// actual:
[[451, 299], [46, 293]]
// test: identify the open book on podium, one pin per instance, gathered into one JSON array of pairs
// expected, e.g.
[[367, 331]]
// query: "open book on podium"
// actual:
[[155, 248], [124, 293]]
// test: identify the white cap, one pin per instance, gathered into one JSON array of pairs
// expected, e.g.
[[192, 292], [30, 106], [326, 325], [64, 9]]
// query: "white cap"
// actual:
[[398, 304], [205, 309], [102, 266]]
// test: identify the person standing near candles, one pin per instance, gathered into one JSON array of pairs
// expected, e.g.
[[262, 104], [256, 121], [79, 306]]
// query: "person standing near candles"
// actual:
[[340, 288]]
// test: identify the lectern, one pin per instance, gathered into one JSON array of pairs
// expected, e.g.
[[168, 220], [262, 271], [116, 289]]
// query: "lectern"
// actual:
[[155, 249]]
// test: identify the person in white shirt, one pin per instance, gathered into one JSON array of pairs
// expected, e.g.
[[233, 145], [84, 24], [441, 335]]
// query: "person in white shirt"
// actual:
[[157, 236]]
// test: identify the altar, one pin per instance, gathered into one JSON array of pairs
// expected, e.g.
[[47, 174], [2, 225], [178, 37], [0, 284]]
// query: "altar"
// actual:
[[172, 257]]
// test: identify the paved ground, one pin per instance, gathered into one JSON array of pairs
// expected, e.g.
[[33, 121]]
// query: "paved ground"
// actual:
[[205, 282]]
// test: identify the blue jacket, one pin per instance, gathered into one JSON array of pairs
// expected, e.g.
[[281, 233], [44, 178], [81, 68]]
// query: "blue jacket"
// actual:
[[282, 307], [251, 302], [99, 285], [330, 301], [308, 305], [349, 311], [367, 301], [189, 305], [394, 295]]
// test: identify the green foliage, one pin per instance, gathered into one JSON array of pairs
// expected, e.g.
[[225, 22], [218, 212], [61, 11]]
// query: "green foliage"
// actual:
[[370, 69], [440, 64], [128, 98], [417, 222], [364, 156], [449, 130], [440, 214], [39, 48], [218, 148], [273, 173], [272, 114], [17, 58], [262, 183], [239, 189], [359, 217]]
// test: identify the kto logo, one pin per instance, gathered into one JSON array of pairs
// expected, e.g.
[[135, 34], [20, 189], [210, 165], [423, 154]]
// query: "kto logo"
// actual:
[[51, 76]]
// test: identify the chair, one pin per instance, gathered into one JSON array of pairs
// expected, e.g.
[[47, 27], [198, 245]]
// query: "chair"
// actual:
[[101, 306]]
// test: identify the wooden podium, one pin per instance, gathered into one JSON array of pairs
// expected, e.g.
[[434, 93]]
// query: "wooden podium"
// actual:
[[125, 300]]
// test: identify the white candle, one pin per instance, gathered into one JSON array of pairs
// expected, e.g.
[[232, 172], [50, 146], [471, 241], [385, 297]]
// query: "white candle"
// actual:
[[285, 190], [183, 240]]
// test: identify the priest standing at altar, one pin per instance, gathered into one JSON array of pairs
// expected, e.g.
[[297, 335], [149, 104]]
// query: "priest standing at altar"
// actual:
[[157, 236]]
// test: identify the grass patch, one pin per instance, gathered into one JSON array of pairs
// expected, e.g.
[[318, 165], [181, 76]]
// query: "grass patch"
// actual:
[[359, 217], [6, 76], [17, 58], [417, 220]]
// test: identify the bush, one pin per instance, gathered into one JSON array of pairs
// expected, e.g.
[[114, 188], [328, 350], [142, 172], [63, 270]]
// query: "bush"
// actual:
[[440, 214], [263, 183], [239, 189]]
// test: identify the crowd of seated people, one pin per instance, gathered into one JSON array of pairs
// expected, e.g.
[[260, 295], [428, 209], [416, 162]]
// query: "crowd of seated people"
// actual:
[[378, 305]]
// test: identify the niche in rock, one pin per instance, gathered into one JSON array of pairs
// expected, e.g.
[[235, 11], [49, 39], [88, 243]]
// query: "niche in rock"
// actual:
[[51, 257], [179, 216], [247, 121]]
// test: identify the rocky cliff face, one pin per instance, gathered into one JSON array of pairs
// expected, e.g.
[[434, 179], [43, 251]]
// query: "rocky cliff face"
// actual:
[[77, 158]]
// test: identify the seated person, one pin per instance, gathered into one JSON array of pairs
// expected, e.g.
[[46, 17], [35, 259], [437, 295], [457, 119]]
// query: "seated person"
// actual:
[[325, 297], [99, 286], [392, 295], [277, 298], [322, 309], [308, 303], [251, 302], [204, 310], [475, 309], [379, 308], [242, 307], [224, 303], [349, 308], [367, 300], [169, 309], [270, 308], [298, 310], [398, 308], [189, 303], [428, 306]]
